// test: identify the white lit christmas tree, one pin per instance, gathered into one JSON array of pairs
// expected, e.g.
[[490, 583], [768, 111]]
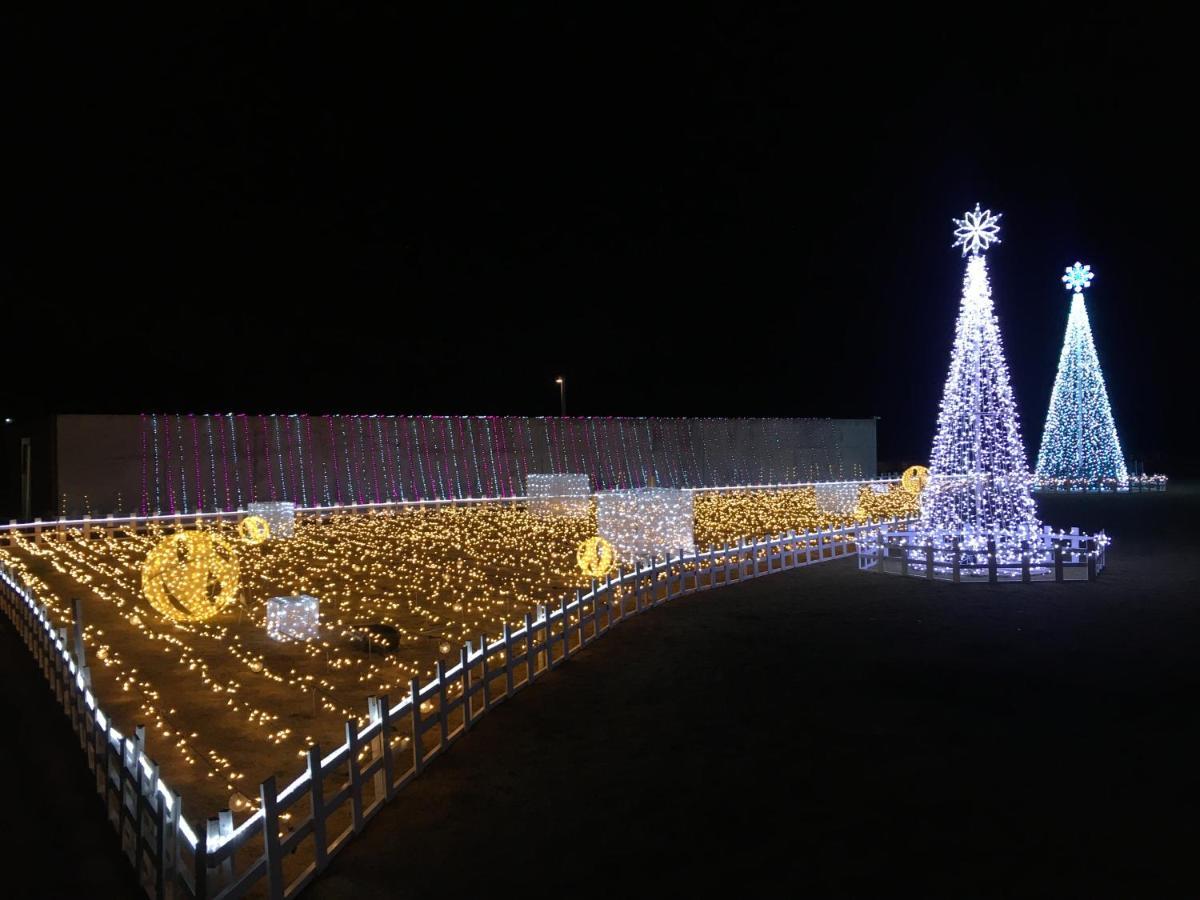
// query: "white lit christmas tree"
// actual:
[[979, 481], [1080, 448]]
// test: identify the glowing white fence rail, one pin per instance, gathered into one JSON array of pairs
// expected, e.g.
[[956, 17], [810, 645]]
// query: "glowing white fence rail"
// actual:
[[143, 810], [401, 740], [1055, 556]]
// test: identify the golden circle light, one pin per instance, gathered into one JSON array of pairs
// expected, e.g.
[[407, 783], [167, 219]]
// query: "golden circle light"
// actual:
[[190, 576], [596, 557], [914, 479], [254, 529]]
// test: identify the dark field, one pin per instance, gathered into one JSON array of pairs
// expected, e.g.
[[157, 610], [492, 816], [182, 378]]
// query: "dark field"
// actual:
[[836, 733], [820, 731]]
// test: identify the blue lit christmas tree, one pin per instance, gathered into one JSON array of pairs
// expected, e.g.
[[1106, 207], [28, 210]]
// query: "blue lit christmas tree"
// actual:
[[979, 483], [1080, 448]]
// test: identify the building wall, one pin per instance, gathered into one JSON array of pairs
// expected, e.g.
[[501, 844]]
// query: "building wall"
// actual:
[[186, 463]]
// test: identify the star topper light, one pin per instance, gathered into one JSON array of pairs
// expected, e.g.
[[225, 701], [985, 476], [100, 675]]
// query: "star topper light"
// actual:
[[1078, 277], [977, 231]]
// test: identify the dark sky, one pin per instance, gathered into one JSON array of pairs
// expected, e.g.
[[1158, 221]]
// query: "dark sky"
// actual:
[[737, 209]]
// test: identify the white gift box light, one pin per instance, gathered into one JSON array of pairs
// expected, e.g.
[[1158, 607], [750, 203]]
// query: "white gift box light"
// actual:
[[281, 517], [293, 618], [646, 522]]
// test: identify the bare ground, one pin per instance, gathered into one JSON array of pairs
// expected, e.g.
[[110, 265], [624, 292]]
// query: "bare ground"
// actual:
[[842, 734]]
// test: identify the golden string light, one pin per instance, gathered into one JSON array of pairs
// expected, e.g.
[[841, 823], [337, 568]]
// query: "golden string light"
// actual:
[[254, 529], [595, 557], [190, 576], [223, 705]]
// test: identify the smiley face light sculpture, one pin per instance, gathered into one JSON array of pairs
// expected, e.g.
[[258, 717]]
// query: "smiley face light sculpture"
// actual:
[[190, 576]]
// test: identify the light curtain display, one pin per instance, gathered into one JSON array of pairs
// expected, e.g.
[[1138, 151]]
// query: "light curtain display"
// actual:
[[193, 463]]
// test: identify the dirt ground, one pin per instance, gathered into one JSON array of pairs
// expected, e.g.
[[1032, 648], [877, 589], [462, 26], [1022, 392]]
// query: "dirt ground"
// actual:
[[835, 733]]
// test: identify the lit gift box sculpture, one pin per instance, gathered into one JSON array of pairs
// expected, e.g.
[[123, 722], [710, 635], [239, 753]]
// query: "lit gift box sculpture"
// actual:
[[837, 498], [281, 517], [293, 618], [645, 522], [558, 495]]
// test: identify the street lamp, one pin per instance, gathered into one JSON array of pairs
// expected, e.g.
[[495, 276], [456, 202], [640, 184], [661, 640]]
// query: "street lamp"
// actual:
[[562, 393]]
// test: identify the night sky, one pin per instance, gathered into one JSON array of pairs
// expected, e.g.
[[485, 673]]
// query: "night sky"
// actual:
[[721, 210]]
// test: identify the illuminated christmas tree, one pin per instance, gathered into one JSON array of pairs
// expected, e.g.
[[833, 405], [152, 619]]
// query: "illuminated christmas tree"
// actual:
[[979, 481], [1080, 448]]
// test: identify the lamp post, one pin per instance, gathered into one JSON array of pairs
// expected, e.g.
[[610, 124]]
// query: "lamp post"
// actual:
[[562, 394]]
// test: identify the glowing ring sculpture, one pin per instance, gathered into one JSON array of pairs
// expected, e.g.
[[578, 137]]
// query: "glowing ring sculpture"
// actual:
[[914, 479], [190, 576], [254, 529], [596, 557]]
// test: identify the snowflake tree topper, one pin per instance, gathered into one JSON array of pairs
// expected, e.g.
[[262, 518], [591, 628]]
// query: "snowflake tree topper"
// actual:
[[1079, 277], [977, 231]]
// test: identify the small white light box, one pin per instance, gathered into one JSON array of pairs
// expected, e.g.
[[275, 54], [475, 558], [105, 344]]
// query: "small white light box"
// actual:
[[646, 522], [281, 517], [558, 495], [296, 618], [837, 498]]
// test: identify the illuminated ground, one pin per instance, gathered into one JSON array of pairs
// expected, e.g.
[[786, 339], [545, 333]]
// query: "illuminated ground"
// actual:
[[224, 706], [838, 734]]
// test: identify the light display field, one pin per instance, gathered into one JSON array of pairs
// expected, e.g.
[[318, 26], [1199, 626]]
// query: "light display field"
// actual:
[[225, 705]]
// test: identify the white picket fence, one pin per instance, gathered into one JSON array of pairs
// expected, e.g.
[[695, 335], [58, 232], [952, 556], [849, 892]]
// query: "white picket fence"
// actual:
[[1050, 556], [337, 793]]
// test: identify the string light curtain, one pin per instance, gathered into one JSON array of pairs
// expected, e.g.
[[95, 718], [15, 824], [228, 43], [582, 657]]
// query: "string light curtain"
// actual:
[[195, 463]]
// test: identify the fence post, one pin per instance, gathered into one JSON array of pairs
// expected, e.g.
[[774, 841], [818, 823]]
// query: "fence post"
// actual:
[[1026, 574], [1091, 559], [566, 632], [508, 661], [820, 546], [381, 782], [529, 660], [637, 587], [929, 559], [225, 829], [464, 674], [356, 804], [443, 727], [212, 830], [991, 548], [316, 795], [415, 713], [483, 664], [1058, 561], [270, 826]]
